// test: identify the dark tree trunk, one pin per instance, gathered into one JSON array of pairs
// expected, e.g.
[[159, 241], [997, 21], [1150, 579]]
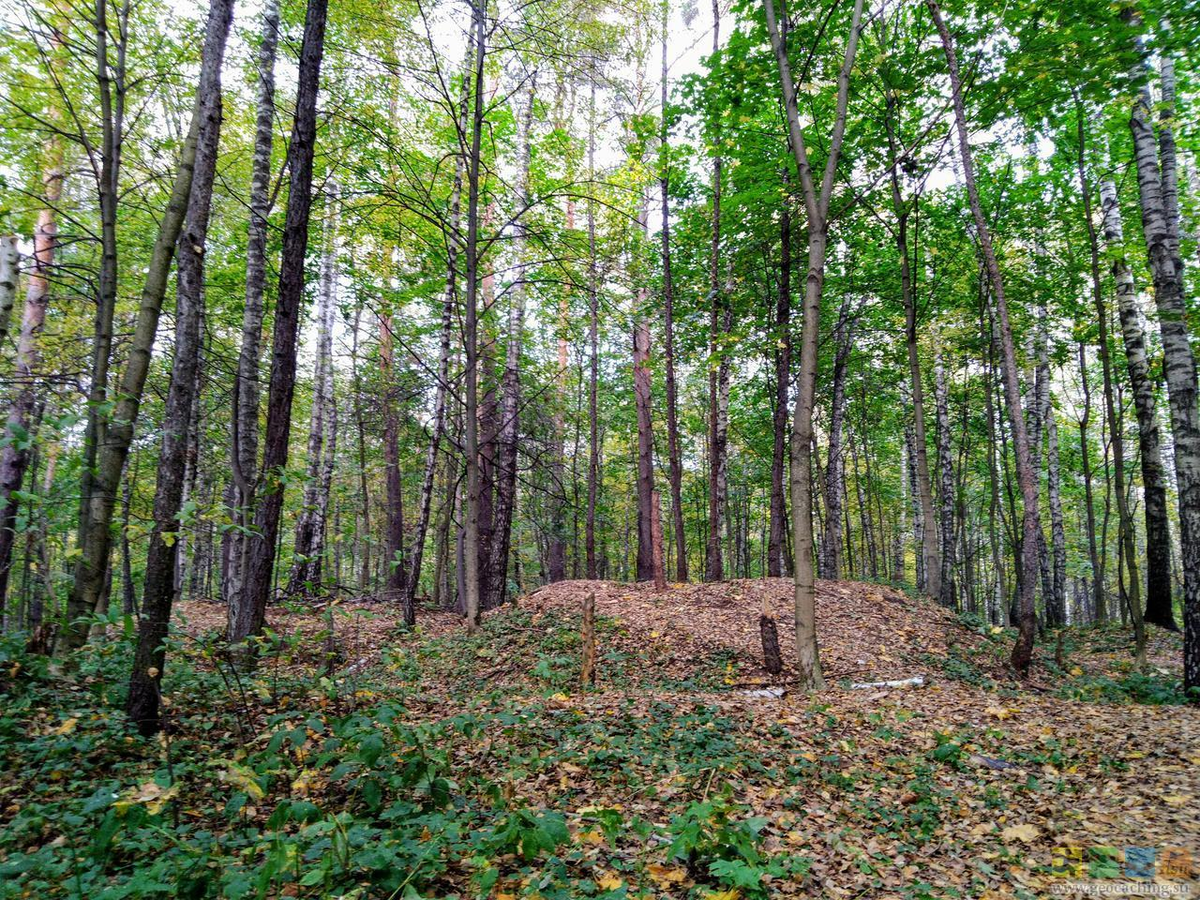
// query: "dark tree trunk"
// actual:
[[158, 591], [783, 364], [246, 614]]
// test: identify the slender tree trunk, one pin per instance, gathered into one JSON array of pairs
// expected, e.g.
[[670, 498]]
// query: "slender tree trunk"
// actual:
[[1085, 456], [111, 102], [995, 507], [1022, 654], [946, 490], [438, 427], [92, 567], [931, 566], [718, 365], [510, 403], [362, 538], [817, 225], [471, 525], [243, 450], [593, 473], [394, 586], [674, 454], [162, 558], [247, 612], [10, 260], [15, 454], [309, 541], [1056, 611], [1158, 532], [1160, 225], [835, 468], [776, 563]]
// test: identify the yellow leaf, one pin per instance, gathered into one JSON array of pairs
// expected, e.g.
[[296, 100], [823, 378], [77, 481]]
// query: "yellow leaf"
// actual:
[[151, 794], [731, 894], [609, 882], [243, 779], [1176, 799], [1026, 832], [302, 783], [1076, 672], [560, 697], [665, 876], [67, 727]]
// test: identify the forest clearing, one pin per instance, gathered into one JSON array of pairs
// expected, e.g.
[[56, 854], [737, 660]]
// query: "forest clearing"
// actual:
[[599, 448]]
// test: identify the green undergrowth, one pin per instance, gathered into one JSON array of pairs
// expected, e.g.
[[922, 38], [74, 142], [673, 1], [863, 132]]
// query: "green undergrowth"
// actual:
[[301, 785], [473, 766]]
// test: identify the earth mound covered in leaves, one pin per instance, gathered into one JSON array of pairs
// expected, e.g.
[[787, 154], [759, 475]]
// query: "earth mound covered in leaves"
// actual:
[[365, 760]]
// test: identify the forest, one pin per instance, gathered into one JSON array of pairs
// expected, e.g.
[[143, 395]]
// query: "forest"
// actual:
[[599, 448]]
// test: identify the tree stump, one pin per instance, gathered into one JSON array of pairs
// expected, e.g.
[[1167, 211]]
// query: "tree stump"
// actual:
[[587, 673], [772, 658], [656, 538]]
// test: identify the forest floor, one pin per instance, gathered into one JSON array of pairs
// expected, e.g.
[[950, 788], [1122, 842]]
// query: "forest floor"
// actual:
[[365, 760]]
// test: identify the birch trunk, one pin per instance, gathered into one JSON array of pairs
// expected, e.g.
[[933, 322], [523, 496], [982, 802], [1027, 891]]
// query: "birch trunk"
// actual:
[[247, 612], [10, 260], [1158, 533], [15, 454], [309, 541], [244, 421], [1156, 190], [510, 403]]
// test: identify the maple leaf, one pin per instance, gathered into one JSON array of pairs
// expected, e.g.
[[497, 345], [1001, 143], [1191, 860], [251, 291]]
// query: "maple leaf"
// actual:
[[1025, 832], [609, 881]]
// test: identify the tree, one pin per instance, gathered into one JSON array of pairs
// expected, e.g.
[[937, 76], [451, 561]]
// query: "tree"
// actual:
[[158, 593], [1022, 654], [243, 445], [1157, 191], [91, 571], [816, 204], [247, 612]]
